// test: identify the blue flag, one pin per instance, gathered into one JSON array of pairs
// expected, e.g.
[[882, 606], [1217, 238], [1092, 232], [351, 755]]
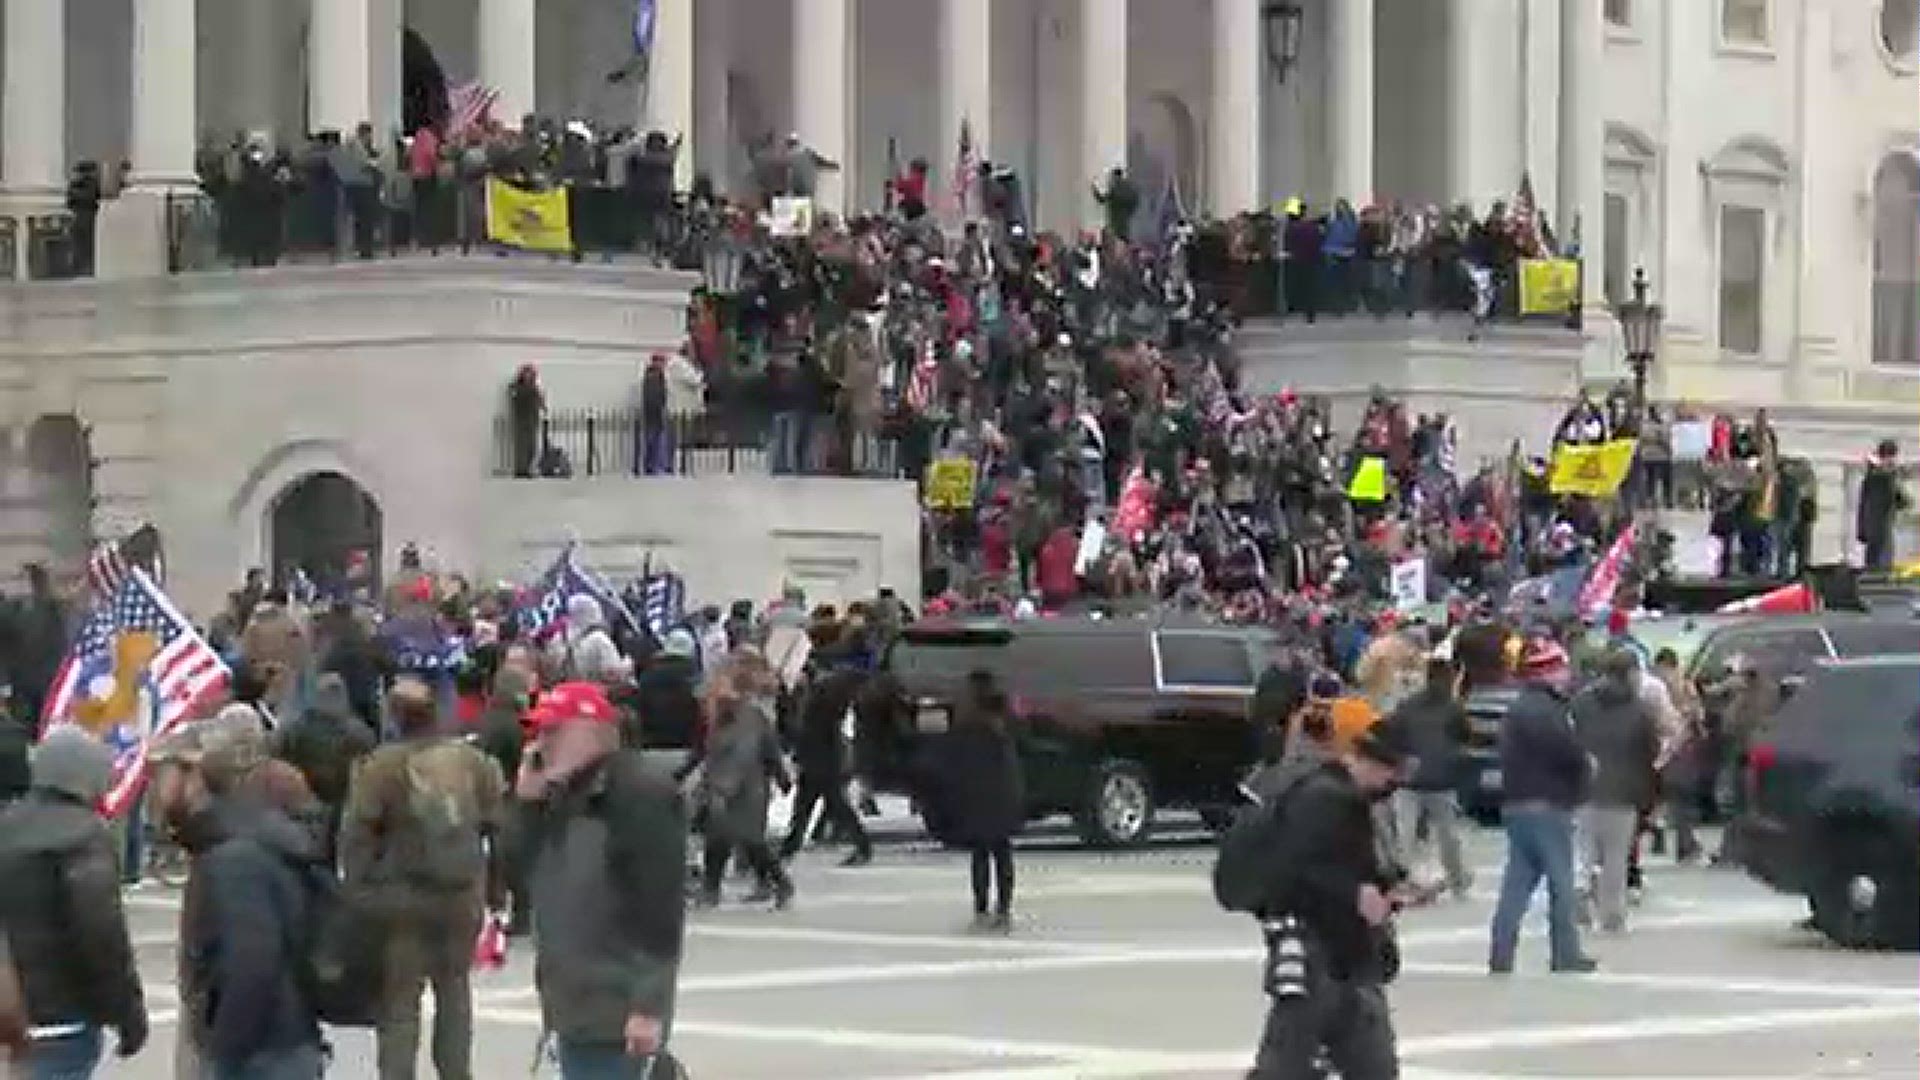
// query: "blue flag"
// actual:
[[646, 13], [563, 581]]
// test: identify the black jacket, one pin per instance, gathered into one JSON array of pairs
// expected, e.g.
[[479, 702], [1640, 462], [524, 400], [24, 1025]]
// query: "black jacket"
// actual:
[[1432, 726], [60, 904], [669, 709], [1540, 758], [1330, 844], [239, 942], [978, 783], [608, 857], [819, 748], [323, 746]]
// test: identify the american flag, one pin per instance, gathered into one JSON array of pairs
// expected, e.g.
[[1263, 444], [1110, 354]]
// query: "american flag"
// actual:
[[468, 106], [966, 165], [924, 383], [547, 602], [1601, 585], [181, 673], [111, 562], [1524, 215]]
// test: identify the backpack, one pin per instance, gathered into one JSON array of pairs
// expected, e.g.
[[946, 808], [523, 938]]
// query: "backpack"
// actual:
[[339, 952], [440, 845], [1251, 870]]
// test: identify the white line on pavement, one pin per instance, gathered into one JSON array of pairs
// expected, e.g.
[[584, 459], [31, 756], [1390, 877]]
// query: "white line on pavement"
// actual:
[[1709, 984], [1549, 1036], [953, 943]]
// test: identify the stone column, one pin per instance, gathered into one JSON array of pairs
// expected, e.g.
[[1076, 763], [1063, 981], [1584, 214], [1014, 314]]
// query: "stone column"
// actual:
[[1350, 99], [131, 235], [670, 83], [966, 86], [165, 116], [822, 37], [33, 158], [339, 67], [1582, 157], [261, 64], [385, 27], [712, 139], [507, 41], [1103, 100], [1234, 129], [1467, 114]]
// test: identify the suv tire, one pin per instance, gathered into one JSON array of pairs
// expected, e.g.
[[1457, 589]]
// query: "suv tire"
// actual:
[[1118, 808], [1892, 920]]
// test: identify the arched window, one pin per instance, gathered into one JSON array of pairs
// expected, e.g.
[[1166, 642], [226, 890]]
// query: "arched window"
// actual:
[[1896, 260]]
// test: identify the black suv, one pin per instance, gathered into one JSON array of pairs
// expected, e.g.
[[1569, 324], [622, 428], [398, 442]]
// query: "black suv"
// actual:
[[1833, 810], [1115, 719]]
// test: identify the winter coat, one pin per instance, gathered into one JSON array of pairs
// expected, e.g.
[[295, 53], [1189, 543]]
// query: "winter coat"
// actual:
[[819, 750], [60, 906], [669, 709], [1618, 731], [324, 744], [1880, 499], [979, 783], [607, 857], [254, 904], [742, 761], [1434, 729], [1540, 758], [1331, 844]]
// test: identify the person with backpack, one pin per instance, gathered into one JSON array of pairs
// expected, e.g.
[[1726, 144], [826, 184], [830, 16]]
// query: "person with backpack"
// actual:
[[420, 838], [605, 837], [1306, 862], [60, 909]]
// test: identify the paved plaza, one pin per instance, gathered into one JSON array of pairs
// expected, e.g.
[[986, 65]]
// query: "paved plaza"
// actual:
[[1121, 966]]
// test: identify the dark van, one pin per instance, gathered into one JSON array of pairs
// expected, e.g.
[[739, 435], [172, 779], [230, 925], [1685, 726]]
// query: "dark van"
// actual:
[[1115, 719]]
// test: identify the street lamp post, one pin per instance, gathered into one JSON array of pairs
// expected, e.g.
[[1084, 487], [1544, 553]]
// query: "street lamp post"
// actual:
[[1640, 326]]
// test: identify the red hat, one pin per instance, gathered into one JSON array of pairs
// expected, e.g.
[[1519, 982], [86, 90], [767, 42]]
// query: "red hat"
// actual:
[[1542, 657], [572, 701], [1618, 621]]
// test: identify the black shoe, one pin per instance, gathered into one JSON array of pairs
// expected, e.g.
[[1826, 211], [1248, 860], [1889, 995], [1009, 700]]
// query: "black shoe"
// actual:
[[782, 894], [1579, 965], [760, 894], [859, 858]]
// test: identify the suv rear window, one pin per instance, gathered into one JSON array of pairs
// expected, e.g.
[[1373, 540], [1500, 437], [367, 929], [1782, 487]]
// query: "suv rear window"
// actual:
[[1212, 661], [1777, 652], [1868, 700], [1876, 638]]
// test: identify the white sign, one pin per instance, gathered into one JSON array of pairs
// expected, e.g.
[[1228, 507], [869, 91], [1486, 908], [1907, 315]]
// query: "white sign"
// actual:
[[1408, 584], [1691, 439], [1092, 539], [791, 215]]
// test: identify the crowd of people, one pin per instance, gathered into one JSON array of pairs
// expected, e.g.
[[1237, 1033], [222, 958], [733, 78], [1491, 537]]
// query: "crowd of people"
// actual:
[[393, 768]]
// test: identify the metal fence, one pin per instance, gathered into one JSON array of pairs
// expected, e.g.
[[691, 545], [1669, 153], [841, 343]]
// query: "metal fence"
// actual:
[[295, 222], [578, 442]]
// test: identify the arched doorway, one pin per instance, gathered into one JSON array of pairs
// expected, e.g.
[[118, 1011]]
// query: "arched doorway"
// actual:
[[1163, 153], [59, 495], [326, 524]]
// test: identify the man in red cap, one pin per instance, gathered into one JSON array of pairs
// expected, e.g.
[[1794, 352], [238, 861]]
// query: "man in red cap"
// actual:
[[606, 838], [1544, 775]]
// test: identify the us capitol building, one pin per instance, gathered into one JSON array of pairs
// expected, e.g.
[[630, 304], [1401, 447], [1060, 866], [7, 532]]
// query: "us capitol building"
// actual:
[[1759, 159]]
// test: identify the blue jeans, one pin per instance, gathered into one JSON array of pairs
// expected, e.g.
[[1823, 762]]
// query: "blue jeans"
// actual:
[[1539, 845], [609, 1061], [290, 1063], [67, 1057]]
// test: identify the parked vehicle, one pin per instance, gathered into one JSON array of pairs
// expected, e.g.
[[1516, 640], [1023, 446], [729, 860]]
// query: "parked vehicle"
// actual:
[[1833, 809], [1115, 719], [1784, 646]]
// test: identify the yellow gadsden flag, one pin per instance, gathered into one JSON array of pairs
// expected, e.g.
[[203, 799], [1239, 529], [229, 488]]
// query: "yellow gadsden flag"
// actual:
[[1548, 286], [1593, 471], [534, 220]]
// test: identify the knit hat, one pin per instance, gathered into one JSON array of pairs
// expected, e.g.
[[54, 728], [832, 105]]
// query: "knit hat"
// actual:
[[72, 763], [1542, 658]]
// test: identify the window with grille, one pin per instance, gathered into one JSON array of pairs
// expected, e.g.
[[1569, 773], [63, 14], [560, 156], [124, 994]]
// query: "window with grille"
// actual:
[[1896, 261], [1743, 246], [1620, 12], [1745, 22]]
